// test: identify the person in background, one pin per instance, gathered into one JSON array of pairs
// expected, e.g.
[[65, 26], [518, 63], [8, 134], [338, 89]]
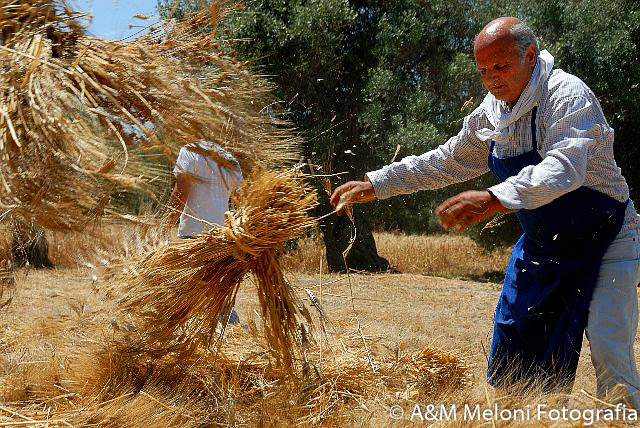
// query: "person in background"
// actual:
[[203, 188]]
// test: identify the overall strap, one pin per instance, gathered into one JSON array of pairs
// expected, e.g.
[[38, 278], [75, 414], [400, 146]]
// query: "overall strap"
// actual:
[[534, 112]]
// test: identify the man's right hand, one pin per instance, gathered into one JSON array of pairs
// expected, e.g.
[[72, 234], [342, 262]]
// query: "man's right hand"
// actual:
[[350, 193]]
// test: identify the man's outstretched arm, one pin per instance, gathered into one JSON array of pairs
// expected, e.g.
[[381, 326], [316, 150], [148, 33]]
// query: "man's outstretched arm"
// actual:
[[461, 158]]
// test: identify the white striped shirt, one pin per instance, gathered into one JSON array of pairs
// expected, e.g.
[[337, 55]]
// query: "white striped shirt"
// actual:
[[573, 138]]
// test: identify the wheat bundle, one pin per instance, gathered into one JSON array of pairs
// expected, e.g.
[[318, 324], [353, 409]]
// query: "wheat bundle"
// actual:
[[182, 291], [82, 119]]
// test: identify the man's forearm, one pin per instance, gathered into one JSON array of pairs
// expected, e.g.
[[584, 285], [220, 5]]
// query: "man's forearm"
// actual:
[[537, 185], [454, 162]]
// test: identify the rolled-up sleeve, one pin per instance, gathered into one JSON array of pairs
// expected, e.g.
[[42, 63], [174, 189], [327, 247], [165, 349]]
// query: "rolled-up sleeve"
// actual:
[[185, 163], [461, 158], [570, 134]]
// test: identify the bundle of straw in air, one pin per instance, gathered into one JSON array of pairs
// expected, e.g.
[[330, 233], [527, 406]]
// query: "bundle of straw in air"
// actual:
[[183, 291], [82, 119]]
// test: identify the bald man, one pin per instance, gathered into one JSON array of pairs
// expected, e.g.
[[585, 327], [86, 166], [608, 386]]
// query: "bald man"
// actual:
[[543, 135]]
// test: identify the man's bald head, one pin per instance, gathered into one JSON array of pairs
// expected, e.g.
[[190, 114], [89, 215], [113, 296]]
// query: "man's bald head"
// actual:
[[506, 52], [507, 28]]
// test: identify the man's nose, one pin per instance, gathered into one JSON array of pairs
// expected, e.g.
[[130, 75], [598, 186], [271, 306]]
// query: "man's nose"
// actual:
[[490, 76]]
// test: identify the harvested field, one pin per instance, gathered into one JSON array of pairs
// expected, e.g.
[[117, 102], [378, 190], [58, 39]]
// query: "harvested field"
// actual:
[[446, 255], [424, 336]]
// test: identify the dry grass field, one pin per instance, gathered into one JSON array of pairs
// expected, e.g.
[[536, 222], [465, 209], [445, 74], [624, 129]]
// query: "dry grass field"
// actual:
[[391, 340], [445, 255]]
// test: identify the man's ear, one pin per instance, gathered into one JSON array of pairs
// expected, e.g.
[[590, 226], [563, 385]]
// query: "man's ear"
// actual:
[[531, 56]]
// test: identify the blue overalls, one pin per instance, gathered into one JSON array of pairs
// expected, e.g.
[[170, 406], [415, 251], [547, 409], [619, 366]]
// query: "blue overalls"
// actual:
[[544, 305]]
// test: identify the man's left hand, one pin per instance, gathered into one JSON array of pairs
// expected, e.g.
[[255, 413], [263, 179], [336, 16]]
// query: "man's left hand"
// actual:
[[467, 209]]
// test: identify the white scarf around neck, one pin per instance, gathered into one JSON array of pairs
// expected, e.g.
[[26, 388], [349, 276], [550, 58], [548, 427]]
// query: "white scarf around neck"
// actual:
[[497, 111]]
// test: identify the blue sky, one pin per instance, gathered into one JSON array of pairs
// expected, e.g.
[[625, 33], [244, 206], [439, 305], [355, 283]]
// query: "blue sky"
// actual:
[[111, 18]]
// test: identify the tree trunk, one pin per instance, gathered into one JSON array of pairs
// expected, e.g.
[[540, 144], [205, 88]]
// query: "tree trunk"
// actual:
[[29, 245], [337, 233]]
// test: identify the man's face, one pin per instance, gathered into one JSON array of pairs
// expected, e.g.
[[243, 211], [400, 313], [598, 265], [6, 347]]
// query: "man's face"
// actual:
[[502, 72]]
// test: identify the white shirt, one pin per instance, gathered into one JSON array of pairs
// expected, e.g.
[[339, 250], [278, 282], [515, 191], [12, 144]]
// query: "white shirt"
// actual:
[[210, 189], [573, 137]]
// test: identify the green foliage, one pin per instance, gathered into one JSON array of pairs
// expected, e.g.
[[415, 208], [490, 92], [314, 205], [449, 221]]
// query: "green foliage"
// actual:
[[182, 8], [361, 77]]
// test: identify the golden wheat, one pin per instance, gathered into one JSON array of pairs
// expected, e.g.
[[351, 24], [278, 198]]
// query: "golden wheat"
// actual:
[[183, 290], [83, 119]]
